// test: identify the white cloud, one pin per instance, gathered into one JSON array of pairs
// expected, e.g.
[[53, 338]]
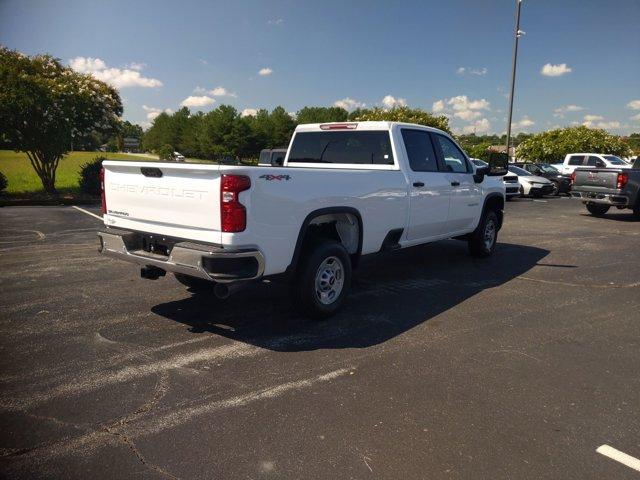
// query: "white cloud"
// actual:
[[349, 104], [203, 61], [468, 115], [275, 21], [462, 102], [592, 118], [479, 127], [438, 106], [389, 101], [636, 117], [481, 72], [560, 111], [215, 92], [117, 77], [137, 66], [265, 71], [634, 105], [249, 112], [597, 121], [153, 112], [197, 101], [522, 124], [549, 70]]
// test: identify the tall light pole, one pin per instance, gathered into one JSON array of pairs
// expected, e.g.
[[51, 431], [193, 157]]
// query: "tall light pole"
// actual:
[[517, 34]]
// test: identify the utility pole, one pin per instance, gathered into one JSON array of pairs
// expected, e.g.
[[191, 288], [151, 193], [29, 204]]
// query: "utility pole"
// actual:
[[517, 34]]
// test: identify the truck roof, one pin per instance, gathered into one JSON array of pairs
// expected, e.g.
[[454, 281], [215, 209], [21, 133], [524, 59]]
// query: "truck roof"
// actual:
[[365, 125]]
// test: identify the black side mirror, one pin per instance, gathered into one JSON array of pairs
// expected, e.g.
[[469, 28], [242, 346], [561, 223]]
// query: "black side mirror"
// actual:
[[478, 177], [498, 164]]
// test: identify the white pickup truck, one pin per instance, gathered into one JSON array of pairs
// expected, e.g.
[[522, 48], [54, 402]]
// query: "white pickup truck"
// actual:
[[345, 190], [589, 160]]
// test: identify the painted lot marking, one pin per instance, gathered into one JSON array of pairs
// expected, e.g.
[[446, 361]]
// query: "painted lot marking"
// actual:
[[87, 212], [619, 456]]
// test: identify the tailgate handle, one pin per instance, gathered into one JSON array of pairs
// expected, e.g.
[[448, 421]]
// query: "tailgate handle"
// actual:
[[151, 172]]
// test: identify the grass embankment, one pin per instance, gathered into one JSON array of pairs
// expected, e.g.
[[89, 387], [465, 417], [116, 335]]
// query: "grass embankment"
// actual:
[[24, 182]]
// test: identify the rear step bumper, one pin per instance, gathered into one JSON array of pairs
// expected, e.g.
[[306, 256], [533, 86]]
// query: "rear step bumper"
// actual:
[[601, 198], [198, 260]]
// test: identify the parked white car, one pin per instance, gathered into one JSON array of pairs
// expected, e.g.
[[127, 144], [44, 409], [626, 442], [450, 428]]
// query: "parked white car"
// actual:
[[531, 184], [511, 184], [178, 157], [590, 160], [345, 190]]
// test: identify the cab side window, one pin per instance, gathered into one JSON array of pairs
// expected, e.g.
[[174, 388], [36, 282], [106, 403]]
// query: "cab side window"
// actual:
[[422, 157], [453, 158], [595, 162], [576, 159]]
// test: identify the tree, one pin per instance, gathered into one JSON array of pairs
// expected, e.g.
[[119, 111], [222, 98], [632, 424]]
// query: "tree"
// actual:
[[553, 145], [44, 106], [403, 114], [321, 115]]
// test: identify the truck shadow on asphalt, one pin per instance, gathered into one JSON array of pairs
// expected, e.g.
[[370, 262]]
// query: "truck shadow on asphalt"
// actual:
[[391, 294]]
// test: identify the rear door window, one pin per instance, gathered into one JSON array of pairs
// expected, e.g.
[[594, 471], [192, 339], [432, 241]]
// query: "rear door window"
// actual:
[[422, 157], [452, 157], [342, 147], [576, 159]]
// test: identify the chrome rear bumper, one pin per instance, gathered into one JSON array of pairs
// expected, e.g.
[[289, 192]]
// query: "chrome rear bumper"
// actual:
[[601, 198], [198, 260]]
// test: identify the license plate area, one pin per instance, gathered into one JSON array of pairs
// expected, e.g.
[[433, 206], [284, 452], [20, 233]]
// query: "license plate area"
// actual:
[[157, 244]]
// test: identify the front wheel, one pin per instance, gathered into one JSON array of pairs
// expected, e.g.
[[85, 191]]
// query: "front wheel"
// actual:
[[323, 280], [597, 210], [483, 240], [556, 190]]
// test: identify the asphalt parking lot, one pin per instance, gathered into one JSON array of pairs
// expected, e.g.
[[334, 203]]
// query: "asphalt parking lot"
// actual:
[[440, 366]]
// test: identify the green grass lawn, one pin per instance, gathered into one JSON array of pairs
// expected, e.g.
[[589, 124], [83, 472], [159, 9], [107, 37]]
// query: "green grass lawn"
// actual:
[[24, 180]]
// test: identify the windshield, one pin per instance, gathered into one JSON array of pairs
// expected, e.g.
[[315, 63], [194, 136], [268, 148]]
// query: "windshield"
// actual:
[[520, 171], [546, 168], [615, 160]]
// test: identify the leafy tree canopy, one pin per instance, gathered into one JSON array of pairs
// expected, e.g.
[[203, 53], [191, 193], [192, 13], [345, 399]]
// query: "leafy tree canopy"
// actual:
[[403, 114], [553, 145], [45, 105]]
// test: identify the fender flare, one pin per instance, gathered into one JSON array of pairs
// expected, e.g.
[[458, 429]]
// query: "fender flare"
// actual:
[[305, 226], [484, 207]]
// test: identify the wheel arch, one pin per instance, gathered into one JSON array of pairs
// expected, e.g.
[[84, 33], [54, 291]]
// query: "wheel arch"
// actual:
[[328, 213]]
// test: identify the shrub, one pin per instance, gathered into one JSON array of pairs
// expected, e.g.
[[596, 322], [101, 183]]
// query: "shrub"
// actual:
[[165, 152], [90, 176], [3, 182]]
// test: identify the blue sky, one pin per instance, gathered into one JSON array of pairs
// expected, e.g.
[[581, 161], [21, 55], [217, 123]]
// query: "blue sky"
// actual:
[[453, 57]]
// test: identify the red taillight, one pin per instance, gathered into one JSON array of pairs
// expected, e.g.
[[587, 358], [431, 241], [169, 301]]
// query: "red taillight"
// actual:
[[103, 197], [233, 215], [573, 177], [623, 178], [338, 126]]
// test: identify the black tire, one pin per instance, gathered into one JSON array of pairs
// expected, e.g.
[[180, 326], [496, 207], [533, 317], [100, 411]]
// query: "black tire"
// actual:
[[479, 246], [636, 211], [597, 210], [333, 257], [195, 284]]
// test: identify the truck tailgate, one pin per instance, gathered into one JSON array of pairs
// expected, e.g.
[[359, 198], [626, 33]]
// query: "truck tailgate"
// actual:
[[181, 200], [598, 178]]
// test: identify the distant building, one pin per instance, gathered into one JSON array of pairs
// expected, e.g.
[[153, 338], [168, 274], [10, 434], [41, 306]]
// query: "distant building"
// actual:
[[131, 145]]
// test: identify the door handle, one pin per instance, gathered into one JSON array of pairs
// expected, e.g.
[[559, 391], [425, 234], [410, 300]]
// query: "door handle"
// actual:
[[455, 184], [418, 184]]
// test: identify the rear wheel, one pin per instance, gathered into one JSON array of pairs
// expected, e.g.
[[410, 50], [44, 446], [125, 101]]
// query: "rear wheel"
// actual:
[[596, 209], [195, 284], [323, 280], [483, 240]]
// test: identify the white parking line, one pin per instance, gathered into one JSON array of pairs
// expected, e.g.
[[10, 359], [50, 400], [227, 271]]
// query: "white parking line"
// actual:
[[541, 201], [619, 456], [87, 212]]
